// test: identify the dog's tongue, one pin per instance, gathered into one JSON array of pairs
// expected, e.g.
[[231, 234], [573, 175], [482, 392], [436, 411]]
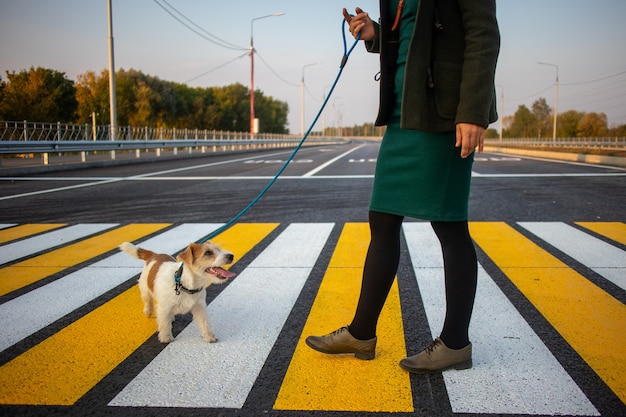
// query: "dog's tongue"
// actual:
[[220, 272]]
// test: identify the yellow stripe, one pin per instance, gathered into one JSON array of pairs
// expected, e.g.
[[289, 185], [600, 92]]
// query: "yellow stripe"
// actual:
[[34, 269], [242, 237], [18, 232], [589, 319], [315, 381], [613, 230], [68, 364]]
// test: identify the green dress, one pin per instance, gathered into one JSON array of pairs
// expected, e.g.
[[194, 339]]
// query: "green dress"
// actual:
[[419, 174]]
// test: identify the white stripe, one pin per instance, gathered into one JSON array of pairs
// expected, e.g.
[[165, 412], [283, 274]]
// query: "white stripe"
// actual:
[[54, 190], [110, 180], [26, 247], [105, 180], [513, 371], [332, 161], [6, 225], [601, 257], [18, 318], [247, 318]]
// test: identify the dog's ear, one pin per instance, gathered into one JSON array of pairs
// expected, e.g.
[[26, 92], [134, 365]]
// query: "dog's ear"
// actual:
[[186, 256]]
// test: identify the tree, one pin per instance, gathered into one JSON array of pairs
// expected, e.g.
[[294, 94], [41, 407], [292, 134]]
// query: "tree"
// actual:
[[524, 123], [272, 114], [592, 125], [92, 94], [618, 130], [567, 123], [39, 94], [543, 116]]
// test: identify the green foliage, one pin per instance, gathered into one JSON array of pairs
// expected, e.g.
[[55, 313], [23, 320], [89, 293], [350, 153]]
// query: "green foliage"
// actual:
[[39, 94], [524, 124], [45, 95], [572, 123]]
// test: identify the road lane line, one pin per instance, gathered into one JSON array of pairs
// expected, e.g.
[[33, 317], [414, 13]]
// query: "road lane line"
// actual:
[[34, 269], [513, 371], [589, 319], [62, 368], [65, 366], [247, 318], [108, 180], [18, 318], [23, 230], [315, 381], [601, 257], [613, 230], [54, 190], [26, 247], [332, 161]]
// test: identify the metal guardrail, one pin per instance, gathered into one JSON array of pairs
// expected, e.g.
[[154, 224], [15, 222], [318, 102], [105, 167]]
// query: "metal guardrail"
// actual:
[[35, 131], [47, 146], [580, 143], [26, 139]]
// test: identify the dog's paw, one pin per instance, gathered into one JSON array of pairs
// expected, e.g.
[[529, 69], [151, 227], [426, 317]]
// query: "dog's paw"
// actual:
[[210, 338], [166, 338]]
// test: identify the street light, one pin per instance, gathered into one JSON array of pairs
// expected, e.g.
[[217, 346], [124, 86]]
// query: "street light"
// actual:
[[324, 113], [302, 103], [556, 97], [112, 88], [252, 118]]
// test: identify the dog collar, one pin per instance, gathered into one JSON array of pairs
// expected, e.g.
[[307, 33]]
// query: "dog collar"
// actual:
[[179, 286]]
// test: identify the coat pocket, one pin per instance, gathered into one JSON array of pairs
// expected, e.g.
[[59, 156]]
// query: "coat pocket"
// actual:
[[447, 86]]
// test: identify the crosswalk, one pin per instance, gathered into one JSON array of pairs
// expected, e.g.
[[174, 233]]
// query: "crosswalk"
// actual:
[[71, 317]]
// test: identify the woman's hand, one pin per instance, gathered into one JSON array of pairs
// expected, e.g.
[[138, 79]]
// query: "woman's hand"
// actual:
[[469, 137], [360, 23]]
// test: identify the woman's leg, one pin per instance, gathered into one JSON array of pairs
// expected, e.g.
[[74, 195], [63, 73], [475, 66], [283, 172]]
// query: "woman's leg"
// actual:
[[460, 266], [381, 265]]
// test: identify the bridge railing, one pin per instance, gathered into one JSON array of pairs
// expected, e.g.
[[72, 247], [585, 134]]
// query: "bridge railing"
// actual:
[[27, 139], [618, 143]]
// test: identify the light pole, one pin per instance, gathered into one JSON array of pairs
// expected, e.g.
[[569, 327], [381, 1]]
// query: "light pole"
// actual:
[[112, 89], [302, 99], [556, 97], [324, 113], [253, 129]]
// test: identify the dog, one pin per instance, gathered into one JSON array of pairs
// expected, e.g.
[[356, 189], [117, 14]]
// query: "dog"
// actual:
[[179, 285]]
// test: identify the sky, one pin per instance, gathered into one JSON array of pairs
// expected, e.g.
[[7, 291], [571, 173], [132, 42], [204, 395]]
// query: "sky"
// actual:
[[585, 39]]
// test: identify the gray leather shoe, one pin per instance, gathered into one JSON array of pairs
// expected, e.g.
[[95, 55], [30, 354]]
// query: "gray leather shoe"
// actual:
[[437, 357], [341, 341]]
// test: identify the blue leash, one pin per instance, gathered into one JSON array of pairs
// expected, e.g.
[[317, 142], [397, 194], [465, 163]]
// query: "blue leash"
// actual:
[[344, 60]]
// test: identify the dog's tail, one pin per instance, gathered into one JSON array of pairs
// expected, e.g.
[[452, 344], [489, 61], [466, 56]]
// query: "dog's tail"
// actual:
[[136, 251]]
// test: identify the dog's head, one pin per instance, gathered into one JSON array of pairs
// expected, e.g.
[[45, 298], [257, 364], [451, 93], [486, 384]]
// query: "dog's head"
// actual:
[[206, 260]]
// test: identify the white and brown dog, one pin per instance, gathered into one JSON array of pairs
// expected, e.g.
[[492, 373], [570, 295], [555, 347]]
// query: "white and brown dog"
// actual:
[[179, 285]]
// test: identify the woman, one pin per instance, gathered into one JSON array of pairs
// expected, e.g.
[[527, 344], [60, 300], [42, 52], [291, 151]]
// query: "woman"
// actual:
[[437, 68]]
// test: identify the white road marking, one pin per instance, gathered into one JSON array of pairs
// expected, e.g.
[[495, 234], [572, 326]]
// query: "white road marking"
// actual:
[[513, 371], [332, 161], [18, 318], [27, 247], [603, 258], [247, 318]]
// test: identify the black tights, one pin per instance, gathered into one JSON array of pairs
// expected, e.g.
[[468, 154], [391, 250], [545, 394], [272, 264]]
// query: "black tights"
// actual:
[[381, 265]]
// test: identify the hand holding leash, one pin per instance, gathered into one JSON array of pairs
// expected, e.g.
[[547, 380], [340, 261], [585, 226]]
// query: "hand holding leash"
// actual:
[[360, 24]]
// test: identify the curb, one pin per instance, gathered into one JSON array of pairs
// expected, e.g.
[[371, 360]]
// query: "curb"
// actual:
[[614, 161]]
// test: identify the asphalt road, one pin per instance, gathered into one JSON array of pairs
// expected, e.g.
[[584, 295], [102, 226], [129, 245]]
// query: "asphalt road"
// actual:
[[553, 349]]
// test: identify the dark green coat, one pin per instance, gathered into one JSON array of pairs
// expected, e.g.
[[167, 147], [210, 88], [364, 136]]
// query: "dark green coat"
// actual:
[[450, 66]]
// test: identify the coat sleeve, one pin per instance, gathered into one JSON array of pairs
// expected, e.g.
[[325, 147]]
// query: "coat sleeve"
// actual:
[[482, 45], [373, 46]]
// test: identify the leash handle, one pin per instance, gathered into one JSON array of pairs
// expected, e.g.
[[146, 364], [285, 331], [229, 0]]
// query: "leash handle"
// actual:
[[344, 60]]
